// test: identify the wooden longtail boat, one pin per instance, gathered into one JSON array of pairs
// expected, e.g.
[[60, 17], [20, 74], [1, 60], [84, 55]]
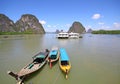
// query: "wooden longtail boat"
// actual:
[[53, 55], [64, 62], [39, 60]]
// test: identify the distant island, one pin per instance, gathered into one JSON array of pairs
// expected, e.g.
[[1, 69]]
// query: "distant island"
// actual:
[[77, 27], [29, 24], [105, 32]]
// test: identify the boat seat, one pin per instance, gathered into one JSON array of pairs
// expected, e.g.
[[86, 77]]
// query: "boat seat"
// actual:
[[30, 66]]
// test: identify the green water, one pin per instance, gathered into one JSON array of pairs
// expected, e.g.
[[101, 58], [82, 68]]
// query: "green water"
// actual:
[[95, 59]]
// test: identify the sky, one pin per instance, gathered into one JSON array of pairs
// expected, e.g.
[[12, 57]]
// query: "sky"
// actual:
[[60, 14]]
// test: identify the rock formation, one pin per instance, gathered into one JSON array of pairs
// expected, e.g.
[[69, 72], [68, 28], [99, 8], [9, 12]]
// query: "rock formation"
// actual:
[[77, 27], [6, 25], [89, 30], [29, 23]]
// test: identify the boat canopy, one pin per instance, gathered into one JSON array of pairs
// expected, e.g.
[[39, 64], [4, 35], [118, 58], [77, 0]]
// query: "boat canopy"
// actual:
[[39, 56], [63, 33], [53, 52], [63, 55]]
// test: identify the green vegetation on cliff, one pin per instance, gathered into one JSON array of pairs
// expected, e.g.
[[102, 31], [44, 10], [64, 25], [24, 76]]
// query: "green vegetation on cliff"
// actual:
[[106, 32]]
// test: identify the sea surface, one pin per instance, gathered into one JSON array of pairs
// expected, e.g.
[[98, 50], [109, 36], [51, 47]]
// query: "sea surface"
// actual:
[[95, 59]]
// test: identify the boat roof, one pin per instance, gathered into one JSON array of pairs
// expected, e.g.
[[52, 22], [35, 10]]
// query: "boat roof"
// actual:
[[40, 56], [73, 33], [53, 52], [63, 33], [63, 55]]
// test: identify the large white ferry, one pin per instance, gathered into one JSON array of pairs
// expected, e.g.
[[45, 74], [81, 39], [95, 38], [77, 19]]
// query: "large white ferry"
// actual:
[[62, 35], [74, 35]]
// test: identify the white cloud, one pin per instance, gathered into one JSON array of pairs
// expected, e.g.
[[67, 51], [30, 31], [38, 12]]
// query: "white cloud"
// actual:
[[62, 26], [88, 27], [105, 27], [101, 23], [42, 22], [67, 25], [116, 25], [96, 16], [49, 26], [54, 27]]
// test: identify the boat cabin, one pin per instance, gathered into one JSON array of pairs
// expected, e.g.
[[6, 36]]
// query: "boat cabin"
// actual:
[[39, 58], [53, 54], [64, 63], [63, 35], [74, 35], [64, 57]]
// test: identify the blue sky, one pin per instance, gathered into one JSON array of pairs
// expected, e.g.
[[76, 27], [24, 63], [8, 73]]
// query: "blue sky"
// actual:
[[60, 14]]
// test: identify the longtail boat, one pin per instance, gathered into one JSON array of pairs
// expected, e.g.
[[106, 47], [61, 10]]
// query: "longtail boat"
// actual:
[[53, 55], [64, 62], [39, 60]]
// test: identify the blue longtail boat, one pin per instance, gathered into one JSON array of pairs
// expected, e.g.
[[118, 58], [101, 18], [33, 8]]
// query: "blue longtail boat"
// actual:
[[64, 62], [53, 55]]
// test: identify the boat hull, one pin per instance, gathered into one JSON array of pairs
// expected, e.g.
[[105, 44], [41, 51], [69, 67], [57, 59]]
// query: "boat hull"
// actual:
[[62, 37], [64, 62], [53, 56], [64, 68], [26, 71], [39, 60]]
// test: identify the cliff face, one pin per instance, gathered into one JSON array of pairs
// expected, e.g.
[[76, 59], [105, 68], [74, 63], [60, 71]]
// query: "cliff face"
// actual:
[[77, 27], [6, 25], [29, 23], [89, 31]]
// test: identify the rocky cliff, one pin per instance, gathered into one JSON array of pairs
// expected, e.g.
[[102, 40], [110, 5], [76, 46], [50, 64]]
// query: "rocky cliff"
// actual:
[[29, 23], [77, 27], [89, 31], [6, 24]]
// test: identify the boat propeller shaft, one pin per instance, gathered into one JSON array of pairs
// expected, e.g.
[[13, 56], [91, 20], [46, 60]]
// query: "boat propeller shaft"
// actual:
[[13, 74]]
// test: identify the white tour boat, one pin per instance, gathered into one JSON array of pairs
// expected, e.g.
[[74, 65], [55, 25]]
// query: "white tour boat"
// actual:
[[63, 35]]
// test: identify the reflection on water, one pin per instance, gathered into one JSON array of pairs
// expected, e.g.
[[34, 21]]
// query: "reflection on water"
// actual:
[[95, 58]]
